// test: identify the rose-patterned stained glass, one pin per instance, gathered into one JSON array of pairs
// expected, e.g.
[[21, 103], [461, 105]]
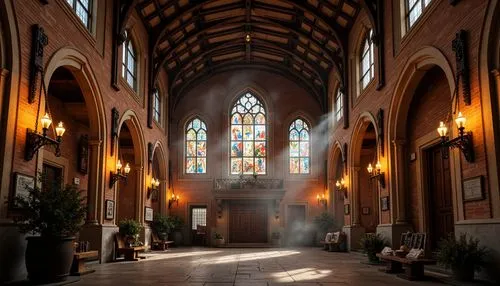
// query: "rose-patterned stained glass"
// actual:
[[196, 147], [248, 136], [299, 147]]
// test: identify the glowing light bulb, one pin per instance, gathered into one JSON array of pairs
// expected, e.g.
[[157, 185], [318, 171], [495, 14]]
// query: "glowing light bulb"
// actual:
[[337, 184], [46, 121], [442, 129], [460, 121], [118, 165], [127, 169], [378, 166], [370, 168], [60, 129]]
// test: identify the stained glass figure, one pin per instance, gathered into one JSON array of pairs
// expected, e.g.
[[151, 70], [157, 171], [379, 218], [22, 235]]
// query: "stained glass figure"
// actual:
[[196, 147], [248, 136], [299, 147]]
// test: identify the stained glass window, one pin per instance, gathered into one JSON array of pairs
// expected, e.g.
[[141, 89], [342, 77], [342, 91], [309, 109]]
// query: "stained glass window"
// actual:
[[248, 136], [338, 106], [367, 70], [82, 9], [414, 9], [299, 147], [196, 147], [129, 63]]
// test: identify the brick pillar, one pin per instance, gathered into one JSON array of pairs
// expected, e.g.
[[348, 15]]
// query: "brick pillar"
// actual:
[[399, 188]]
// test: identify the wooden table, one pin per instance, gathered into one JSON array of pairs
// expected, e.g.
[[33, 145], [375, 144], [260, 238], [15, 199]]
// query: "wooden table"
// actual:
[[413, 270], [78, 267]]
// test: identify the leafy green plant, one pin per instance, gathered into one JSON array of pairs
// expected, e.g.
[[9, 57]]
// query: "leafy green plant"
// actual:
[[162, 224], [372, 244], [56, 211], [218, 236], [130, 227], [177, 222], [464, 253], [324, 222]]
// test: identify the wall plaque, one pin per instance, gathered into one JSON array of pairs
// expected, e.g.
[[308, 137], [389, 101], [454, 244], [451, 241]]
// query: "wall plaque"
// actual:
[[473, 189]]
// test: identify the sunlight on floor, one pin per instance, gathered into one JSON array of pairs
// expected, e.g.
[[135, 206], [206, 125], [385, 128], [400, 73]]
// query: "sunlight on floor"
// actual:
[[303, 274], [169, 255], [247, 257]]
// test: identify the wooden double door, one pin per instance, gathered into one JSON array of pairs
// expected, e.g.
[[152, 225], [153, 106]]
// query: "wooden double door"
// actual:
[[248, 222], [440, 199]]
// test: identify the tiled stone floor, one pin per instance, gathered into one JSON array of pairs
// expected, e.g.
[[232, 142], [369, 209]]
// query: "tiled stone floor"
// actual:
[[255, 267]]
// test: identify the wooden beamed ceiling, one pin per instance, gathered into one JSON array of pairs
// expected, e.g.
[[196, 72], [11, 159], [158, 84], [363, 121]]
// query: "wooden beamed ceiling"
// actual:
[[303, 40]]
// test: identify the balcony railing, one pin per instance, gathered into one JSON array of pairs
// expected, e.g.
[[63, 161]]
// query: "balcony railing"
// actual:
[[248, 183]]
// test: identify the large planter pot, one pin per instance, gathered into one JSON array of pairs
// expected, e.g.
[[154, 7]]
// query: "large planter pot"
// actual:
[[464, 273], [177, 238], [48, 259], [219, 242]]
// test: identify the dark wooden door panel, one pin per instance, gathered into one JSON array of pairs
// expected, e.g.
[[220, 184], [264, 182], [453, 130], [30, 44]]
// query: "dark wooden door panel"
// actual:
[[247, 223], [440, 196]]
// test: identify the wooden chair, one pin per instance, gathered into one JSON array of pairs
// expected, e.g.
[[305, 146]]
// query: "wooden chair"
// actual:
[[338, 242], [130, 253], [157, 243]]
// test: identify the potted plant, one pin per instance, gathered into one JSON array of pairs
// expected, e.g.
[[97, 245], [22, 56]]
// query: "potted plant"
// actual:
[[130, 229], [372, 244], [463, 256], [162, 225], [219, 239], [177, 224], [53, 216], [323, 224]]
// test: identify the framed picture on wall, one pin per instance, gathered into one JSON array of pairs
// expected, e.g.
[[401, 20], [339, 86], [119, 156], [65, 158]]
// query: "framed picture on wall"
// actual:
[[365, 210], [346, 209], [83, 154], [22, 184], [148, 214], [384, 203], [110, 210]]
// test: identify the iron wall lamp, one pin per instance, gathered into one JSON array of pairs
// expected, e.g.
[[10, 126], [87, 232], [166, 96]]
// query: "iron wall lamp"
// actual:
[[173, 199], [341, 187], [376, 174], [321, 200], [119, 175], [35, 140], [463, 141], [153, 189]]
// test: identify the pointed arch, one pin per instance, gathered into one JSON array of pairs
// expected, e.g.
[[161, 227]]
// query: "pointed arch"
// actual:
[[299, 146], [195, 148]]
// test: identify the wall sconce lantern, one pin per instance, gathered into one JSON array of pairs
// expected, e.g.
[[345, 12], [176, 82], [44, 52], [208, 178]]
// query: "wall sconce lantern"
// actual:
[[376, 174], [321, 200], [35, 140], [153, 189], [173, 199], [463, 141], [341, 186], [118, 175]]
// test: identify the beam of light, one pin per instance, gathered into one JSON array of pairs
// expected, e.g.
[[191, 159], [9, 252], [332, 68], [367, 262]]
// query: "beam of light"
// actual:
[[163, 256], [302, 274], [246, 257]]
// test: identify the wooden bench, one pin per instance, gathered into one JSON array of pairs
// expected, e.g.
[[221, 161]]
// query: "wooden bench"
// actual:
[[78, 267], [337, 244], [130, 253], [413, 267], [160, 244]]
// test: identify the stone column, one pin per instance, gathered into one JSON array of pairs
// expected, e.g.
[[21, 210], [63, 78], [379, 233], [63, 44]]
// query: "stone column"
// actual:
[[355, 220], [399, 188], [93, 190], [4, 165], [140, 192]]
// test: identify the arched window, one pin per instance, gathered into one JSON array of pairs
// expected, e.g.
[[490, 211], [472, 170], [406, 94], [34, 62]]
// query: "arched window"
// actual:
[[299, 147], [367, 70], [248, 136], [129, 63], [414, 9], [338, 105], [196, 147], [156, 106]]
